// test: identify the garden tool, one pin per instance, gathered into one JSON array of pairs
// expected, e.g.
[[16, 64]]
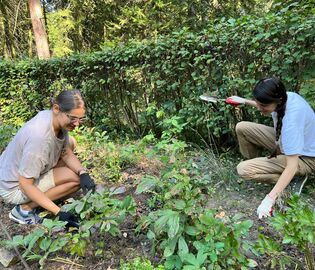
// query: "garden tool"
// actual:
[[214, 99]]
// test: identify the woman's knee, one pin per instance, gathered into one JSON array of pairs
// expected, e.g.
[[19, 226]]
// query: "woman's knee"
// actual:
[[64, 175], [241, 127], [243, 170]]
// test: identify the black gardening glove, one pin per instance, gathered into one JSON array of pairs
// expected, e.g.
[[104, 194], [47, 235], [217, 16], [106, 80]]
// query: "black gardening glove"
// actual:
[[71, 219], [86, 183]]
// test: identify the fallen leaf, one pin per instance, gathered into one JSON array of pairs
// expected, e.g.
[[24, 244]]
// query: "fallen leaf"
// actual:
[[220, 215], [184, 171]]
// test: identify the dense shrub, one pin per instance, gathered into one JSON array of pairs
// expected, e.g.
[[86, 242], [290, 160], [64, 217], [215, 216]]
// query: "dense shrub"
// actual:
[[134, 86]]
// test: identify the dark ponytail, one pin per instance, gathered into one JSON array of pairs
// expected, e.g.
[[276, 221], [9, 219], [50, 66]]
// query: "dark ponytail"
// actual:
[[68, 100], [272, 90]]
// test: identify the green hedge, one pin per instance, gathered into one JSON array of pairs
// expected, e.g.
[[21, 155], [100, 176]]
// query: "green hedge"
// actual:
[[134, 86]]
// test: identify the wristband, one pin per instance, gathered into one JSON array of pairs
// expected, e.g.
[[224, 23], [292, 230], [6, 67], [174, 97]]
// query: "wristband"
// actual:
[[81, 171]]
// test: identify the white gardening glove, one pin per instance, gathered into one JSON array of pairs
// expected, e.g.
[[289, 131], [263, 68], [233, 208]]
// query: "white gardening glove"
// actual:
[[235, 100], [265, 207]]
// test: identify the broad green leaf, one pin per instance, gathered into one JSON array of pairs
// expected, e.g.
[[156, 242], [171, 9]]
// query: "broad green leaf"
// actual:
[[45, 243], [170, 247], [179, 204], [79, 207], [147, 183], [182, 247], [173, 225], [151, 235], [58, 244], [191, 230], [191, 259]]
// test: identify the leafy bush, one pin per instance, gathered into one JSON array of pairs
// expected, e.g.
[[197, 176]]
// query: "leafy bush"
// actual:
[[6, 134], [105, 159], [131, 87]]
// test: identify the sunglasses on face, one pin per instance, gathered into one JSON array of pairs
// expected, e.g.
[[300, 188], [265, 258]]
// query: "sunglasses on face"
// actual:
[[74, 119]]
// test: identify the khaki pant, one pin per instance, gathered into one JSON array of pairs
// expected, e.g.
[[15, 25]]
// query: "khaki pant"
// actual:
[[16, 196], [253, 137]]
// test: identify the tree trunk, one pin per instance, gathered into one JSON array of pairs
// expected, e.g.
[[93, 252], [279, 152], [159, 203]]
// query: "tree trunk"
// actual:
[[39, 29]]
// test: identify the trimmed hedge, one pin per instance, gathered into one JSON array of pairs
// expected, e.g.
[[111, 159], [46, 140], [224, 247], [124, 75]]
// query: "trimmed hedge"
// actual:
[[134, 86]]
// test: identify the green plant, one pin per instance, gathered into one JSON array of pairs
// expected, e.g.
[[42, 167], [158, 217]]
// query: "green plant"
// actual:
[[99, 213], [102, 212], [276, 258], [219, 243], [42, 242], [297, 227], [190, 236], [139, 264], [105, 159], [169, 146]]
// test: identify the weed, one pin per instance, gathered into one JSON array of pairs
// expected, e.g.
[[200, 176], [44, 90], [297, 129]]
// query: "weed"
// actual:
[[140, 264]]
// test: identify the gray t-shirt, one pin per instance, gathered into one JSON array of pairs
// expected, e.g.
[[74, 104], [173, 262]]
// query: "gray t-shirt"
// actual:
[[33, 151]]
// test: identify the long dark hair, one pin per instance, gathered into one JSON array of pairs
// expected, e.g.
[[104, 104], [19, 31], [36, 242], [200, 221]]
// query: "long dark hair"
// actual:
[[272, 90], [68, 100]]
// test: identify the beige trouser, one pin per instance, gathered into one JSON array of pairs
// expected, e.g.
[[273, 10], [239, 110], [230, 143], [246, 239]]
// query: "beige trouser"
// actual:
[[253, 137], [16, 196]]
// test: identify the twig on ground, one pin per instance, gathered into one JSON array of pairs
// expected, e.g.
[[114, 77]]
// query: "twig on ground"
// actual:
[[15, 248], [66, 261]]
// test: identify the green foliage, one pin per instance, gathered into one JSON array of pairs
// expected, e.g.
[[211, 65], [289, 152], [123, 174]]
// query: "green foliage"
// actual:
[[169, 146], [6, 134], [140, 264], [100, 214], [296, 224], [101, 211], [132, 87], [189, 235], [104, 159], [296, 227], [60, 24], [276, 257], [42, 242]]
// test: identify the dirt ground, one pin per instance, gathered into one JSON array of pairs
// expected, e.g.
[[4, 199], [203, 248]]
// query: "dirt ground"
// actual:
[[242, 198]]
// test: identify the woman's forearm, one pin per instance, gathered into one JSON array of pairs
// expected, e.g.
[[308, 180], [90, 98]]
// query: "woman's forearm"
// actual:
[[286, 176], [251, 102], [72, 161]]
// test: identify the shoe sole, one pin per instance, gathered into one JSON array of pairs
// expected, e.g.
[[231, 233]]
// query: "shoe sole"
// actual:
[[16, 220]]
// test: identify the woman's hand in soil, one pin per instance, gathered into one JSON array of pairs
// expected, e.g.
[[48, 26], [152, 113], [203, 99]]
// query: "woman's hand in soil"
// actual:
[[265, 207], [71, 219], [86, 183]]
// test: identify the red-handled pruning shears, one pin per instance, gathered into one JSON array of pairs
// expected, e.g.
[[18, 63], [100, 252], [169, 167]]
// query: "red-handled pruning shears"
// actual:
[[214, 99]]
